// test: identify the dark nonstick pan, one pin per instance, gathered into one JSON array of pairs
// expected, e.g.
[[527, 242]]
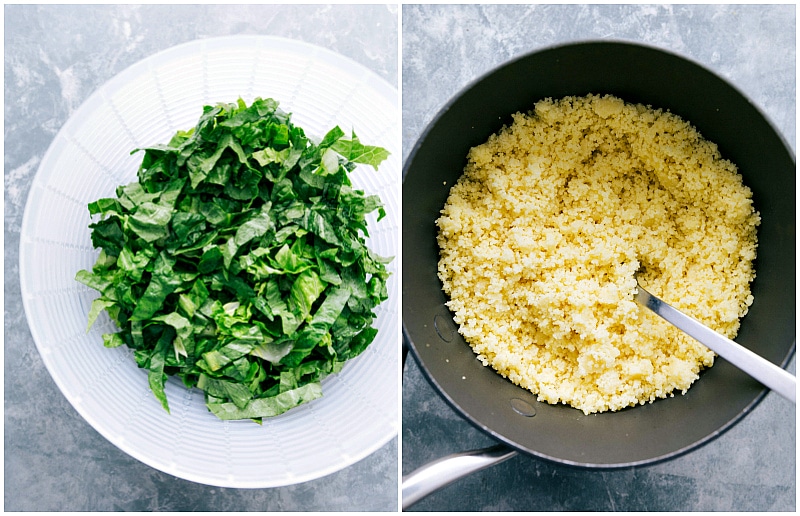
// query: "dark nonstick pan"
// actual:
[[639, 435]]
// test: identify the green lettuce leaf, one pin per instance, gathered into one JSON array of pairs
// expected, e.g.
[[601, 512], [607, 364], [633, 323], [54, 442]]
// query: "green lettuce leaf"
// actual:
[[238, 261]]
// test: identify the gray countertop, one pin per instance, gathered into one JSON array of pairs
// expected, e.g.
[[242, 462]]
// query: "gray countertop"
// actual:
[[55, 57], [752, 467]]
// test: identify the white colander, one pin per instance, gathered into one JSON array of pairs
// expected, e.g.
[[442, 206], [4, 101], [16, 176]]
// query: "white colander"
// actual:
[[146, 104]]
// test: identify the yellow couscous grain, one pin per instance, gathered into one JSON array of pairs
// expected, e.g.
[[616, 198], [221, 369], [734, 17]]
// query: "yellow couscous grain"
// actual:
[[542, 236]]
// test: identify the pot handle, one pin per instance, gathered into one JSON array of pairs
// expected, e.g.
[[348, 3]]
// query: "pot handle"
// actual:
[[442, 472]]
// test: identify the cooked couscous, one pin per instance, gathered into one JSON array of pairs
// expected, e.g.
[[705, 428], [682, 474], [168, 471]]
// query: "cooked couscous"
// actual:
[[542, 236]]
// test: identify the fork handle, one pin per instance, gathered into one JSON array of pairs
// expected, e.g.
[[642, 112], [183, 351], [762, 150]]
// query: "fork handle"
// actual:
[[769, 374]]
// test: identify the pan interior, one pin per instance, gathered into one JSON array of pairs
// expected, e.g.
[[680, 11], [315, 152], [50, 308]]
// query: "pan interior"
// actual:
[[637, 435]]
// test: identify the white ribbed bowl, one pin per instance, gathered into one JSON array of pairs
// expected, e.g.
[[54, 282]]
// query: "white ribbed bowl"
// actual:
[[146, 104]]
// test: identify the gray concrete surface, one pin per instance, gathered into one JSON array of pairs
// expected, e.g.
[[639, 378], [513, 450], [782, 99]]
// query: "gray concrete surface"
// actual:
[[750, 468], [55, 57]]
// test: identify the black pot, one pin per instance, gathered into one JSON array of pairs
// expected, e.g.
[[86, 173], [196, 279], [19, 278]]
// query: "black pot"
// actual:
[[638, 435]]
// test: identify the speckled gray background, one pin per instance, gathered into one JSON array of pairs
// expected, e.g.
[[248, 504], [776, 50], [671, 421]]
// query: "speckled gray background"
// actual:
[[750, 468], [55, 57]]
